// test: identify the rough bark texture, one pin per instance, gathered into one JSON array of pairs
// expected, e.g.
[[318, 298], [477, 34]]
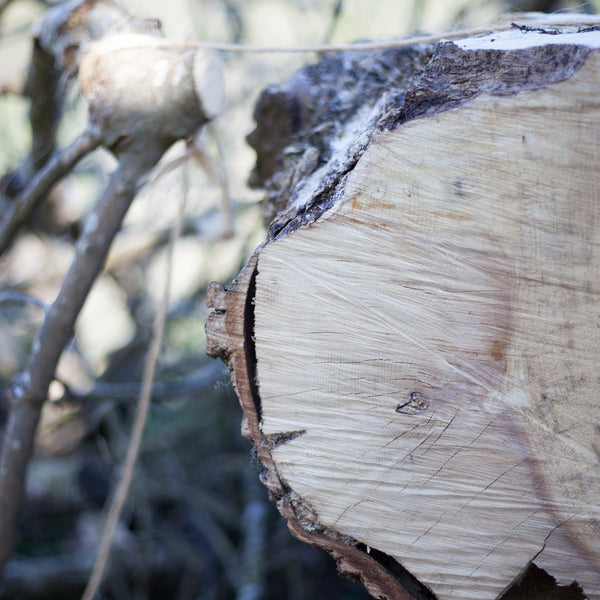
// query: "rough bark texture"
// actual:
[[314, 124], [414, 347]]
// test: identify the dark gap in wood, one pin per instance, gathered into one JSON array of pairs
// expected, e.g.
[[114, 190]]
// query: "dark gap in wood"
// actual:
[[249, 347], [311, 212], [277, 439], [536, 584], [412, 585]]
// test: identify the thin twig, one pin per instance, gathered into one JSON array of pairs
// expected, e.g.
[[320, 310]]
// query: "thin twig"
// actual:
[[376, 45], [16, 297], [194, 381], [253, 567], [57, 167], [335, 17], [141, 415], [223, 179], [166, 167]]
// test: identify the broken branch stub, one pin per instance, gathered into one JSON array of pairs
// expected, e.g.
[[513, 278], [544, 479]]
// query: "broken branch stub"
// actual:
[[60, 37], [415, 347], [139, 87]]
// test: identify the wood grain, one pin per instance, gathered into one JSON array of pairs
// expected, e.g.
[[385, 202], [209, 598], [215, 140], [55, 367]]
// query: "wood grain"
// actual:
[[416, 348], [461, 267]]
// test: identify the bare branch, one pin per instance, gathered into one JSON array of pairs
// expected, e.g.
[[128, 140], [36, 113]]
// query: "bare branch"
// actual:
[[60, 38], [197, 380], [28, 390], [141, 415], [252, 580], [44, 85], [15, 297], [138, 121], [223, 179], [62, 163], [335, 17]]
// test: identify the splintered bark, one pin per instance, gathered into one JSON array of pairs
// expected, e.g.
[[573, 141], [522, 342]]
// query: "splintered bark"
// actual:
[[416, 345]]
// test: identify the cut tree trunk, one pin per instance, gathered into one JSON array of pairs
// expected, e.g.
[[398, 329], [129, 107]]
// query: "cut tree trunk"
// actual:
[[416, 345]]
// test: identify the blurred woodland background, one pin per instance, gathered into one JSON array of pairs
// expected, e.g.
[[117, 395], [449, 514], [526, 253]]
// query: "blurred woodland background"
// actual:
[[197, 523]]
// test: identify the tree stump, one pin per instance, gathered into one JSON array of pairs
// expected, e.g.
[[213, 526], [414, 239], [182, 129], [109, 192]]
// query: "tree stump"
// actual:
[[416, 345]]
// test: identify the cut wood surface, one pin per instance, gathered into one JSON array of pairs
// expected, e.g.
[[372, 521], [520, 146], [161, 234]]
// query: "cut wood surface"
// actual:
[[416, 350]]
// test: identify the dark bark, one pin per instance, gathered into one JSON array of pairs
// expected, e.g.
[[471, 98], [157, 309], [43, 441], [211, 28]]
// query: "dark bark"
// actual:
[[301, 125]]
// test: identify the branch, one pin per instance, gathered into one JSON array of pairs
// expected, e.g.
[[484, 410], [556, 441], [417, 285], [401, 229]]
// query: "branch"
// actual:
[[28, 391], [139, 423], [45, 88], [60, 39], [141, 98], [15, 297], [335, 17], [254, 529], [557, 20], [223, 179], [62, 163], [197, 380]]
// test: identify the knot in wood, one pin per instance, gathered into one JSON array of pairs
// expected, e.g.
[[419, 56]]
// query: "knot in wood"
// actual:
[[415, 404]]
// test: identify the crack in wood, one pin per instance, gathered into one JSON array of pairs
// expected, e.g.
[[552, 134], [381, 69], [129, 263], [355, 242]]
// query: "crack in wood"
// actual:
[[535, 582], [249, 347], [277, 439], [404, 577]]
